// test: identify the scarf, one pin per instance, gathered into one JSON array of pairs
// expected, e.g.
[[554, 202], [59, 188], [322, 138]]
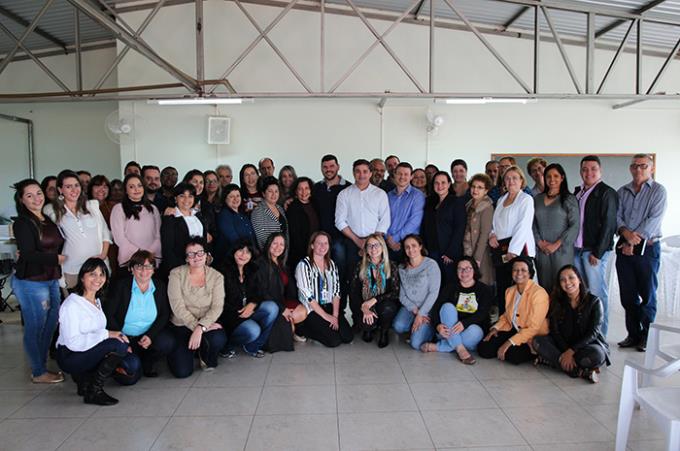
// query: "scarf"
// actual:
[[373, 286]]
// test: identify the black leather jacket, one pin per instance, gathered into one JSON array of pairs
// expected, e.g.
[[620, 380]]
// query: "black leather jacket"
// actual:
[[599, 220]]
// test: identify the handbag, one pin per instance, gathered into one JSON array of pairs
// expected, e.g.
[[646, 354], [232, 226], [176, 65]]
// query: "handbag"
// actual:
[[281, 336]]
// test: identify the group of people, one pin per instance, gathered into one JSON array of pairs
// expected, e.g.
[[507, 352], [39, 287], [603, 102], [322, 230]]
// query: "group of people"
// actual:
[[205, 268]]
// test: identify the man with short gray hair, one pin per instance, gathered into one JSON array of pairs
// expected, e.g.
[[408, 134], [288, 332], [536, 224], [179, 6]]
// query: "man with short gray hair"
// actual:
[[642, 205]]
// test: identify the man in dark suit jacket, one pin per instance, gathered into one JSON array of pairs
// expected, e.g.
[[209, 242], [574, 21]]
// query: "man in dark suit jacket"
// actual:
[[598, 203]]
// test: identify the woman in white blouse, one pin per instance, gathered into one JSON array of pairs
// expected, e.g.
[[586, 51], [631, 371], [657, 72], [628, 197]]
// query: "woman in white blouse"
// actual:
[[81, 223], [318, 286], [85, 348], [511, 233]]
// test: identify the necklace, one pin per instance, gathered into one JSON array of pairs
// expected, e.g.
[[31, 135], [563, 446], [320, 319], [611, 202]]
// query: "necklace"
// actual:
[[552, 196]]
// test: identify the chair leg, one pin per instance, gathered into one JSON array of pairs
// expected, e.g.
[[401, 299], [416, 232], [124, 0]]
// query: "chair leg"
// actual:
[[626, 406], [674, 436], [650, 354]]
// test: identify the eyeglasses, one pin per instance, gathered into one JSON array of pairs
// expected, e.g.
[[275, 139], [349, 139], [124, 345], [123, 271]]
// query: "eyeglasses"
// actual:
[[195, 254], [211, 182], [139, 267], [465, 269], [373, 246], [642, 166]]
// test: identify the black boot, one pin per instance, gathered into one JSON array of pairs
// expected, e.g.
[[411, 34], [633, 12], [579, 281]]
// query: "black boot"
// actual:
[[95, 394], [367, 336], [384, 338], [81, 381]]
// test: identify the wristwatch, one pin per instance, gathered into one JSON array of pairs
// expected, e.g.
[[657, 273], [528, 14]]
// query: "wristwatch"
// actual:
[[204, 329]]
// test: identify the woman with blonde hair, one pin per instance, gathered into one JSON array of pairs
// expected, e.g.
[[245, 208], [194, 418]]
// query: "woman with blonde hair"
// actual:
[[374, 291]]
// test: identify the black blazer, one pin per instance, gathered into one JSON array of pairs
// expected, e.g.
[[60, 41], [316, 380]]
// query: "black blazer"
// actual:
[[449, 294], [391, 293], [32, 260], [237, 294], [174, 238], [590, 315], [299, 232], [269, 286], [599, 221], [118, 300], [444, 227]]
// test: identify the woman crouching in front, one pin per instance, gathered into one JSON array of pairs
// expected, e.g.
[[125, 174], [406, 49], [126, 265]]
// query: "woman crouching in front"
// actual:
[[85, 348]]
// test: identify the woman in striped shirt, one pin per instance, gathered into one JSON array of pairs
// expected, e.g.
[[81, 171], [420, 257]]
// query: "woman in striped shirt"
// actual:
[[268, 217], [319, 291]]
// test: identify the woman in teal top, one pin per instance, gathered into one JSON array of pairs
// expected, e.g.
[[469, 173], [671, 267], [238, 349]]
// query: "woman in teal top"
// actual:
[[138, 306]]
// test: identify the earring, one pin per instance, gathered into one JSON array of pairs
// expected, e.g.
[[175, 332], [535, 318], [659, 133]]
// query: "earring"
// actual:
[[61, 197]]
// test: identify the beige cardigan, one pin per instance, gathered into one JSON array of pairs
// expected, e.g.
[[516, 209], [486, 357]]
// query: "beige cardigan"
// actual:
[[476, 238], [192, 306]]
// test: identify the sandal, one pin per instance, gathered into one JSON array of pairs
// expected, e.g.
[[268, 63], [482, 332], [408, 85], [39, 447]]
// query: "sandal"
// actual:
[[469, 360]]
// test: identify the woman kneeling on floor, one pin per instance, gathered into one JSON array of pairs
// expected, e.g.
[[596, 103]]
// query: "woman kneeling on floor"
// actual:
[[318, 285], [138, 306], [196, 294], [85, 348], [575, 344], [526, 309], [461, 313]]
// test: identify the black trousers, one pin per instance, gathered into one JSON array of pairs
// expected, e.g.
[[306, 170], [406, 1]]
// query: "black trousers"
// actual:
[[515, 354], [588, 357], [317, 328], [386, 311], [181, 359]]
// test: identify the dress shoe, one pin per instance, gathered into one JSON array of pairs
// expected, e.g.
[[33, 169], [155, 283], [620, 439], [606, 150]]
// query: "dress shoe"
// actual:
[[642, 346], [628, 343], [367, 336]]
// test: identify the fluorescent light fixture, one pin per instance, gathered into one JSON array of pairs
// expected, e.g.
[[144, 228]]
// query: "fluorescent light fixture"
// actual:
[[201, 101], [484, 100]]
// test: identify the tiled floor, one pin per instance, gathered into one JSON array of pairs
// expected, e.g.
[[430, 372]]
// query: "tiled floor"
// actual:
[[351, 398]]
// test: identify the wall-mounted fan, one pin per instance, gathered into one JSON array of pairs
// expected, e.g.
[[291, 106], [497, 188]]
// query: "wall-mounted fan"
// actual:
[[116, 126]]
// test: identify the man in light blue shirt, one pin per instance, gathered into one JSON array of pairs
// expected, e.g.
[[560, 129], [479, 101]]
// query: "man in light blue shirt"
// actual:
[[406, 209], [642, 205]]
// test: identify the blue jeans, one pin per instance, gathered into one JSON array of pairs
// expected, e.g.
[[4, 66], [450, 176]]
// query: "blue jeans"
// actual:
[[595, 278], [469, 337], [79, 363], [40, 309], [254, 332], [638, 281], [403, 322]]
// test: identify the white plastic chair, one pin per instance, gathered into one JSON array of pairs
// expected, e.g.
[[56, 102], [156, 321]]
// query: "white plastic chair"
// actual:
[[668, 353], [662, 403]]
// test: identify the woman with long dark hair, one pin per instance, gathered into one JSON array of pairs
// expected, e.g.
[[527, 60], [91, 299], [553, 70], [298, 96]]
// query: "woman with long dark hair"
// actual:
[[319, 291], [202, 204], [287, 180], [575, 343], [268, 217], [36, 279], [81, 223], [49, 188], [135, 222], [556, 225], [303, 220], [232, 225], [86, 348], [249, 180], [246, 319]]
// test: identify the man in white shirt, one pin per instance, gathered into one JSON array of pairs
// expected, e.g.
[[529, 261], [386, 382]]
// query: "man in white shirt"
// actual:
[[362, 209]]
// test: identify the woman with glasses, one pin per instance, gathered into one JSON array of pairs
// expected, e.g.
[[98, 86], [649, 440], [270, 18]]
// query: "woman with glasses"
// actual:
[[212, 190], [478, 226], [526, 308], [196, 294], [138, 307], [461, 313], [419, 279], [374, 291]]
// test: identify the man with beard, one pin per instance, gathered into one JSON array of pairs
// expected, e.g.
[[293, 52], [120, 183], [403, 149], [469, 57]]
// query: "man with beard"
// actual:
[[378, 169], [151, 176]]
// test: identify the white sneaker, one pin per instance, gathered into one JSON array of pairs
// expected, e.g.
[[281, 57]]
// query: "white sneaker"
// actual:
[[299, 338]]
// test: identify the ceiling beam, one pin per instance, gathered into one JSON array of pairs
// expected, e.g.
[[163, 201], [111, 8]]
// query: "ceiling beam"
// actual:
[[37, 30], [514, 18], [607, 28]]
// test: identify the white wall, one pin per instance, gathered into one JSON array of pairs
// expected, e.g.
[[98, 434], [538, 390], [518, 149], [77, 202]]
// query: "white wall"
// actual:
[[299, 132]]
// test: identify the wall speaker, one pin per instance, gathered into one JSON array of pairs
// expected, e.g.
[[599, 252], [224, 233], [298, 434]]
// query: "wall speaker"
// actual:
[[219, 130]]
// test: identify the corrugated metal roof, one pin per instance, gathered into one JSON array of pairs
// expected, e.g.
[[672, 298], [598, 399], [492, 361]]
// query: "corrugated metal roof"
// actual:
[[59, 19]]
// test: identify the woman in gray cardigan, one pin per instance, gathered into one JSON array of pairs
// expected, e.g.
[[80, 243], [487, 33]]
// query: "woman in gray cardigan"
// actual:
[[420, 278], [556, 224]]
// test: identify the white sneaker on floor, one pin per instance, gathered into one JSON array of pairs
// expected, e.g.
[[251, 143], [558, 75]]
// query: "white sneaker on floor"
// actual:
[[299, 338]]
